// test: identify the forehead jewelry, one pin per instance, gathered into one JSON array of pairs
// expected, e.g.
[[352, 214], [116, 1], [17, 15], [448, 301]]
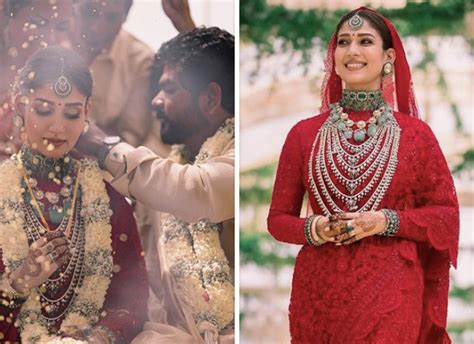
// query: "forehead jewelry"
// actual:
[[62, 87], [355, 22]]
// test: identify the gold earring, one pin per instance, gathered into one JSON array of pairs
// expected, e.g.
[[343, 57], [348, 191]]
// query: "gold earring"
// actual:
[[387, 68], [86, 127]]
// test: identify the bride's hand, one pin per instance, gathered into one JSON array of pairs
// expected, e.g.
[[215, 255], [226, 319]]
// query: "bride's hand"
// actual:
[[44, 257], [353, 227], [92, 335]]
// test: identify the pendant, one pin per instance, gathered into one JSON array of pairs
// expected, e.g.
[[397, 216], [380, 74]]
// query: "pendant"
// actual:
[[352, 205], [52, 197], [348, 134], [359, 135], [55, 214], [371, 130]]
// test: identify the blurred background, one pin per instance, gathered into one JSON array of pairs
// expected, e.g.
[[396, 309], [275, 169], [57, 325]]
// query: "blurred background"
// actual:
[[148, 22], [283, 43]]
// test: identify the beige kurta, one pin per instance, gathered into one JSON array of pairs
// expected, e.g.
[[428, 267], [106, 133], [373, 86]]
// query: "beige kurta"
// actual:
[[189, 192], [121, 101]]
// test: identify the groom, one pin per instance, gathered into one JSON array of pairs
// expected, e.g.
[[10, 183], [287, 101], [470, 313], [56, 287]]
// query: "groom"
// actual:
[[193, 83]]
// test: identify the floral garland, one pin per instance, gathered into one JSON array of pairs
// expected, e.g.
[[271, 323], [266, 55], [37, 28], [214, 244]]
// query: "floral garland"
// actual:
[[197, 261], [96, 212]]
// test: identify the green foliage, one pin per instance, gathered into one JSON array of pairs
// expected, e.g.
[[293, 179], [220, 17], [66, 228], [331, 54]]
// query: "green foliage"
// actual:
[[464, 294], [459, 328], [261, 24], [263, 250], [467, 162], [256, 185]]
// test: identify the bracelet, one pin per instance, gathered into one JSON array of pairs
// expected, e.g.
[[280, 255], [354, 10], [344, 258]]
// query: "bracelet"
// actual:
[[307, 230], [393, 222], [16, 298]]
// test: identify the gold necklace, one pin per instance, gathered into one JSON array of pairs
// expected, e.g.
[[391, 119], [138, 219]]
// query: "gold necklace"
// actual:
[[36, 204]]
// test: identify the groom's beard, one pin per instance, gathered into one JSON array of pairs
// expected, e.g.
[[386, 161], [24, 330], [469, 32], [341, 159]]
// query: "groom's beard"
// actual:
[[172, 132], [177, 131]]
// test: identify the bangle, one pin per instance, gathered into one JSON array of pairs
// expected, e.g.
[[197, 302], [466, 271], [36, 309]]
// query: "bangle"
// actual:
[[16, 298], [315, 241], [393, 222]]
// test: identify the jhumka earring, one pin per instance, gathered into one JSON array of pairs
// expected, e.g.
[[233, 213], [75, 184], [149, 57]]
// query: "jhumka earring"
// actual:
[[18, 120], [86, 127], [387, 68], [355, 22], [62, 87]]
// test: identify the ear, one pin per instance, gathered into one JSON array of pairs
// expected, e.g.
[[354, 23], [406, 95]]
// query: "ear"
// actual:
[[88, 107], [210, 99], [19, 104], [390, 55]]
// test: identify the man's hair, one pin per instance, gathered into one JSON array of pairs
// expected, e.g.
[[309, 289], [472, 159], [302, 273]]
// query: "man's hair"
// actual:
[[201, 56]]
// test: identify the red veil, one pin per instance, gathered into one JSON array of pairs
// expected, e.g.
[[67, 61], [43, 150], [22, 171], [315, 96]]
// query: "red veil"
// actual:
[[403, 93]]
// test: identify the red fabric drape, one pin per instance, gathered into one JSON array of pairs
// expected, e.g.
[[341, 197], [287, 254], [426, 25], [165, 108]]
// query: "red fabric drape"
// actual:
[[378, 288], [331, 90]]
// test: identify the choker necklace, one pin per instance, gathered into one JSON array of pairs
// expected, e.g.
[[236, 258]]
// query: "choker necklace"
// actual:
[[50, 201], [362, 100], [43, 167], [344, 176]]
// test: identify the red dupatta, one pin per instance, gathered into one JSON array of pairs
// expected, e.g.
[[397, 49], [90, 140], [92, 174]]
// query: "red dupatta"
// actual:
[[403, 93]]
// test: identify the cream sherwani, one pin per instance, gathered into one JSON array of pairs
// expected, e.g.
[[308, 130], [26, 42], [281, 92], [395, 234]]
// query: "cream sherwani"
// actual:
[[189, 192]]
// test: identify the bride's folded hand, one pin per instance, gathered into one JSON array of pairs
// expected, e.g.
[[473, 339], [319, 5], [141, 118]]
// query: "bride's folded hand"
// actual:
[[351, 227], [44, 257]]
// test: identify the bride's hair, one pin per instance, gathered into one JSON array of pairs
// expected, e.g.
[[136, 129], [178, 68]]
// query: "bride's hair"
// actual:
[[46, 65]]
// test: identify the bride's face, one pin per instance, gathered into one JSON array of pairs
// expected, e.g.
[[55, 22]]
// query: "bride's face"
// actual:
[[360, 57], [53, 124]]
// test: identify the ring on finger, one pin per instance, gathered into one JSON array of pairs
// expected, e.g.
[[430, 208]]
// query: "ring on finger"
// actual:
[[53, 255], [349, 227], [49, 247]]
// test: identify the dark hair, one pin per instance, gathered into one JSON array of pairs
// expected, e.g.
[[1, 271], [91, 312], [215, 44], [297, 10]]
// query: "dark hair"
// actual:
[[375, 21], [202, 56], [45, 67], [13, 6]]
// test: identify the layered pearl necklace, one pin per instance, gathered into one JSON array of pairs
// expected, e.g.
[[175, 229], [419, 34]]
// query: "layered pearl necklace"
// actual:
[[363, 170]]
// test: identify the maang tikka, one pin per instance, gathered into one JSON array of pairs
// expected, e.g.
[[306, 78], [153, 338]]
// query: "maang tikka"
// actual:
[[355, 22], [62, 86]]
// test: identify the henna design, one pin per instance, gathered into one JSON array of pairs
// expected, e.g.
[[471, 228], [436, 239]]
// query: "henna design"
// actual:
[[367, 223], [32, 265]]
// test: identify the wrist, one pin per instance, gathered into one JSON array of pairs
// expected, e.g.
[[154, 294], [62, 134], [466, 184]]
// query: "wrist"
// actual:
[[309, 231], [10, 286], [392, 223], [315, 230], [105, 147]]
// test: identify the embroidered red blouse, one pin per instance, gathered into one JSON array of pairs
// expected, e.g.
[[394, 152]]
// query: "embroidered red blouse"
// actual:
[[380, 289]]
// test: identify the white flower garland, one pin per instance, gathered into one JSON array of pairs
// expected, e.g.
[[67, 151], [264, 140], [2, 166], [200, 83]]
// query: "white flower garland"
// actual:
[[197, 261], [96, 212]]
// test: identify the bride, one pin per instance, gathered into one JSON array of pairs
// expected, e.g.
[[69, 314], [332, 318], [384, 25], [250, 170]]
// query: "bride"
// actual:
[[72, 267]]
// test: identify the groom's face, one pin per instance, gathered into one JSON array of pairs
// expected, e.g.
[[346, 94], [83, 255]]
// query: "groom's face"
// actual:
[[176, 108]]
